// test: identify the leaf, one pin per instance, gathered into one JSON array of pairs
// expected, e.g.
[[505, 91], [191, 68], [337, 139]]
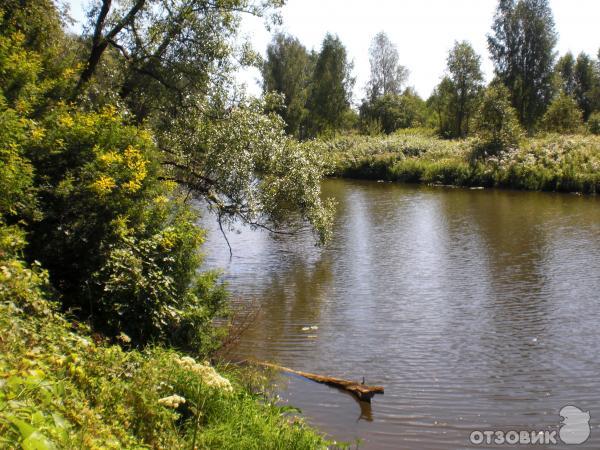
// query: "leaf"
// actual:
[[37, 441], [60, 421], [25, 429]]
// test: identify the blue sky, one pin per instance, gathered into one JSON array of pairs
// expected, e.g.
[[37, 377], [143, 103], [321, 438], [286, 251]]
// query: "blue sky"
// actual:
[[423, 30]]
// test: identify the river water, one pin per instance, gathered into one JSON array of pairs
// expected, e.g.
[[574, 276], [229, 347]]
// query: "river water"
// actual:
[[476, 309]]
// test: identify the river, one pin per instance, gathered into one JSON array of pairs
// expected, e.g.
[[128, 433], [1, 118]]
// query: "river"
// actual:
[[476, 309]]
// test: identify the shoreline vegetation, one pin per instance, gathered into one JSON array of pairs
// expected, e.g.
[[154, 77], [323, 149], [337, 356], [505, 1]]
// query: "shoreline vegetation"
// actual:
[[63, 386], [551, 162]]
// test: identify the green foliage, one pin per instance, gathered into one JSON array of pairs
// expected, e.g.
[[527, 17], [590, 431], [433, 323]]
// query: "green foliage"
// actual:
[[16, 173], [120, 245], [587, 85], [246, 168], [62, 389], [522, 49], [551, 163], [580, 79], [442, 103], [563, 116], [454, 100], [467, 82], [393, 112], [594, 123], [497, 125], [565, 69], [288, 70], [331, 88]]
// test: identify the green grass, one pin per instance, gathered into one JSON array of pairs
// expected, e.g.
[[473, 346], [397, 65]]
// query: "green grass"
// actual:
[[63, 387], [567, 163]]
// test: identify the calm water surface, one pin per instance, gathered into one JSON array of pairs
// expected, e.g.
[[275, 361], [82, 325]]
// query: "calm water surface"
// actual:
[[476, 309]]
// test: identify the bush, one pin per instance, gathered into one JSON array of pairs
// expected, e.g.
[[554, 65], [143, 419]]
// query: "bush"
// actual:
[[496, 125], [563, 116], [120, 245]]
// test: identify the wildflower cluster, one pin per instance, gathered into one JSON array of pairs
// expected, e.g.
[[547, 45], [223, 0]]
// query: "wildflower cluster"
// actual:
[[207, 373], [172, 401]]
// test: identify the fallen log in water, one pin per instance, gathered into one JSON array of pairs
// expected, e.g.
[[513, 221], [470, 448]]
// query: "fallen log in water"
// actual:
[[362, 391]]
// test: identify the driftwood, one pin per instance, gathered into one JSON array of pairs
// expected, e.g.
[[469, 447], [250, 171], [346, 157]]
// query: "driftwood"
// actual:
[[362, 391]]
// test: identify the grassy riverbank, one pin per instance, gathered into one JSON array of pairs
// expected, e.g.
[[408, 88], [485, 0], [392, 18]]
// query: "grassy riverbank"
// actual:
[[62, 387], [550, 163]]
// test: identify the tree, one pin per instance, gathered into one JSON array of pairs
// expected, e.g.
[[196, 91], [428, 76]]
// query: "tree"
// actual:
[[497, 124], [288, 70], [441, 102], [563, 115], [587, 79], [175, 72], [387, 75], [594, 123], [393, 112], [467, 81], [522, 49], [331, 87], [109, 170], [565, 68]]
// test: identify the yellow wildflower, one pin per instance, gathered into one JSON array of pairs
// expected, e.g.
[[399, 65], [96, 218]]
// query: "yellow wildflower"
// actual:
[[110, 158], [103, 185], [66, 121], [38, 133], [132, 186]]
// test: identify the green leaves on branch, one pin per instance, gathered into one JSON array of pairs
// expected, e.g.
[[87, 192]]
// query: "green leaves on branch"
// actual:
[[246, 168]]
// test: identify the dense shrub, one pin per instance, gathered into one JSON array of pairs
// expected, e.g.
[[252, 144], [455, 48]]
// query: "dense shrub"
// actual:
[[496, 123], [120, 245]]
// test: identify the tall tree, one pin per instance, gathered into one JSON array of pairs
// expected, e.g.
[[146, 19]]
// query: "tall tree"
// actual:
[[565, 68], [331, 88], [522, 49], [387, 75], [586, 80], [288, 70], [464, 67]]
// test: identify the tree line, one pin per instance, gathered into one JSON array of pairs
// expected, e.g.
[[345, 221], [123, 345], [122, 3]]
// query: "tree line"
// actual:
[[560, 95]]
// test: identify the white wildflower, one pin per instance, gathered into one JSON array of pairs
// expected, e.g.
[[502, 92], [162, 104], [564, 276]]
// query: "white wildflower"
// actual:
[[172, 401], [206, 372]]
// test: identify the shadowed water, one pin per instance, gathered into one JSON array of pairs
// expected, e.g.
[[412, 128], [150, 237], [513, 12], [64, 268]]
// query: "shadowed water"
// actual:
[[476, 309]]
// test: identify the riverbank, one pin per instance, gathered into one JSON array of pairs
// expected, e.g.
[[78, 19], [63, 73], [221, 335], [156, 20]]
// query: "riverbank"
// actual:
[[63, 387], [564, 163]]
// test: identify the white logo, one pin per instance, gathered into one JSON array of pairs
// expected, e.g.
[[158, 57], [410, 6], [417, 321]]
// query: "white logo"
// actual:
[[574, 429], [575, 426]]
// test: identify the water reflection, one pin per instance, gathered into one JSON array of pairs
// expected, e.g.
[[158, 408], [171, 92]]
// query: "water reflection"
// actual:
[[473, 308]]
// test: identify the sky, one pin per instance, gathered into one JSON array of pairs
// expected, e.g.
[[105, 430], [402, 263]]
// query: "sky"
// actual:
[[423, 30]]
